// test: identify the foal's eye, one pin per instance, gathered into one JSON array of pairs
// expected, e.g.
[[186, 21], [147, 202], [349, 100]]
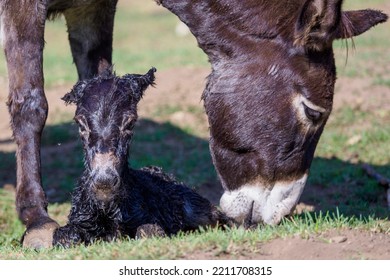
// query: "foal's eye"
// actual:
[[128, 126], [312, 114], [83, 129]]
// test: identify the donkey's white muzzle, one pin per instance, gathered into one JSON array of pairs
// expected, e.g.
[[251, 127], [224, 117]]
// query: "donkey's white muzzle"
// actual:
[[270, 203]]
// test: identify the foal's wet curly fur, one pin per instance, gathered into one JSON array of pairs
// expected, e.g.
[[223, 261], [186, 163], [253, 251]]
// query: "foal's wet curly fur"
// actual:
[[111, 199]]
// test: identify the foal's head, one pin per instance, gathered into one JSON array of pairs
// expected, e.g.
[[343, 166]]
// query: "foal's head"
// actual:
[[106, 113]]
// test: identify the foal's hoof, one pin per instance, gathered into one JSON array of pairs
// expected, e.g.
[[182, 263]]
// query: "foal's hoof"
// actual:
[[40, 237], [149, 230]]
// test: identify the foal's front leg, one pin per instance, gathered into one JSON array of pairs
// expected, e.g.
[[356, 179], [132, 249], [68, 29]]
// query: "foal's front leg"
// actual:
[[23, 31]]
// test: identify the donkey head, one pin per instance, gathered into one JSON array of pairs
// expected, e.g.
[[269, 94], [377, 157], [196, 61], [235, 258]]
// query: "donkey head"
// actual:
[[270, 92], [106, 113]]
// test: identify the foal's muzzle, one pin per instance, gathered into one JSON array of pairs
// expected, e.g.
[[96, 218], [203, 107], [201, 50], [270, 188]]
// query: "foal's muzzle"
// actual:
[[106, 184], [105, 177], [108, 180]]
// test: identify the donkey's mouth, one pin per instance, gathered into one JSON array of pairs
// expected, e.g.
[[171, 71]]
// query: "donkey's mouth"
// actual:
[[256, 203]]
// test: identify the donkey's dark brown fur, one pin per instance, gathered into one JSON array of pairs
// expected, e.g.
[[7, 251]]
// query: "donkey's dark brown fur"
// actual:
[[270, 92]]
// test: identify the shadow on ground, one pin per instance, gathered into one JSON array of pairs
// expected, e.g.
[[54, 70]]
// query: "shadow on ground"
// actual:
[[333, 184]]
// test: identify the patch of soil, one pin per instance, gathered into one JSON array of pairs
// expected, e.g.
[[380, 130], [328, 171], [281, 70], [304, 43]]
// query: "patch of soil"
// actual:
[[178, 86], [361, 94], [344, 244], [332, 245]]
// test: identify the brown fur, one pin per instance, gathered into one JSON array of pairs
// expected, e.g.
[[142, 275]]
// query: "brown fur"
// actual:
[[263, 55]]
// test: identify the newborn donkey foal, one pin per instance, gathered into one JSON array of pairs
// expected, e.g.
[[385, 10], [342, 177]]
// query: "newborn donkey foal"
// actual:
[[112, 199]]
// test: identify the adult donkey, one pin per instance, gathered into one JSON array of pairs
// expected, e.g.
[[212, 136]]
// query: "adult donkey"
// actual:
[[270, 92], [267, 98]]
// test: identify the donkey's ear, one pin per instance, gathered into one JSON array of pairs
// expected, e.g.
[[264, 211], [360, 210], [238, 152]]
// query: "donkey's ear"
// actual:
[[317, 22], [75, 94], [354, 23], [139, 83], [322, 21]]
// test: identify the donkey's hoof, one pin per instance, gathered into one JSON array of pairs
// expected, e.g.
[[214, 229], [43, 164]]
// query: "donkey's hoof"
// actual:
[[149, 230], [40, 237]]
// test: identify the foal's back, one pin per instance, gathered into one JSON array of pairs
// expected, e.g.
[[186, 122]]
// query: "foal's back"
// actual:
[[160, 199]]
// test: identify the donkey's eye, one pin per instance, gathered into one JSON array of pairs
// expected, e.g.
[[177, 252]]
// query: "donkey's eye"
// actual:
[[312, 114]]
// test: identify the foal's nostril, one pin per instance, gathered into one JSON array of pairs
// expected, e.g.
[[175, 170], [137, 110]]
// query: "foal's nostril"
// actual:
[[106, 183], [114, 181]]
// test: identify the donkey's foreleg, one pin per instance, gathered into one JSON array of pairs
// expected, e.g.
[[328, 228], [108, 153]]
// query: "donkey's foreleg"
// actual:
[[23, 30], [90, 30]]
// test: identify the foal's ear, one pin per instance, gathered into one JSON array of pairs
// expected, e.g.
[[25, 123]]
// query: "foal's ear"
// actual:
[[322, 21], [147, 79], [139, 83], [76, 93]]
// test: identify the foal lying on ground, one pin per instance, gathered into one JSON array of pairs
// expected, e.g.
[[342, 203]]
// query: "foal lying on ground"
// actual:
[[112, 199]]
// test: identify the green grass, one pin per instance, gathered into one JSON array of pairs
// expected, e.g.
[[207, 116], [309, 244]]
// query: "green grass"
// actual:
[[230, 243], [371, 130], [351, 137]]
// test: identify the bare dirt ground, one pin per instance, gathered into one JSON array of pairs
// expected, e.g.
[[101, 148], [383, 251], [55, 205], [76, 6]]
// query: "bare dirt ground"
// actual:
[[184, 86], [344, 244], [332, 245]]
